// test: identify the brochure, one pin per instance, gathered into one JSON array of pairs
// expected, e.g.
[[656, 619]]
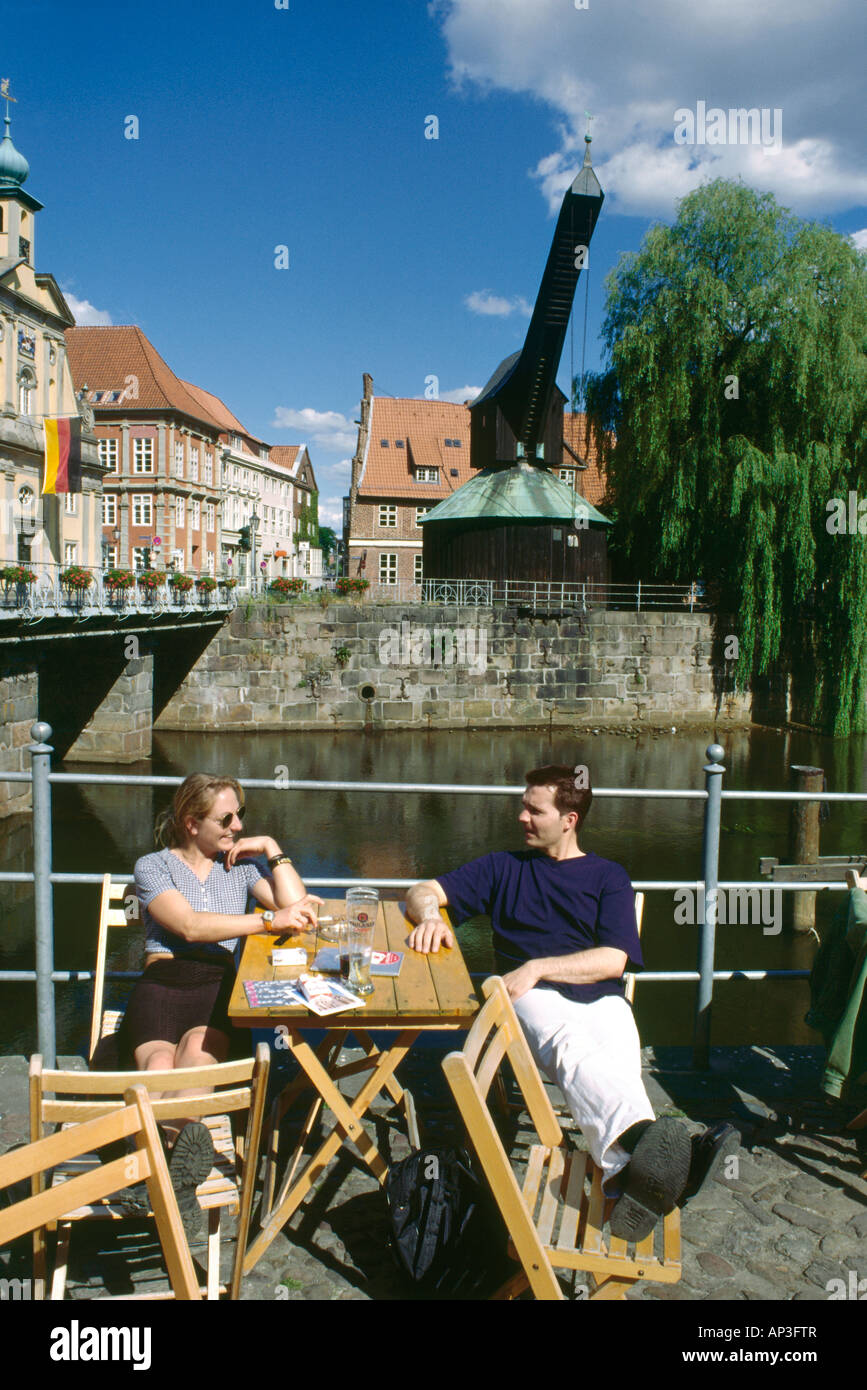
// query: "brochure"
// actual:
[[274, 994], [327, 996], [381, 962]]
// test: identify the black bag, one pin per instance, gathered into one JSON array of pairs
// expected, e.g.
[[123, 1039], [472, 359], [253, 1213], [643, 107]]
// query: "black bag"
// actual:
[[446, 1234]]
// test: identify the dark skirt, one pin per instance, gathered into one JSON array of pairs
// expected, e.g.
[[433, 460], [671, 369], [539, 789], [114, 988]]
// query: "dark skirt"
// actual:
[[176, 995]]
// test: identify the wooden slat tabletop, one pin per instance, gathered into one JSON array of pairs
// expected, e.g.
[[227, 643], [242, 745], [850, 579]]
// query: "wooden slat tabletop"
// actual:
[[431, 991]]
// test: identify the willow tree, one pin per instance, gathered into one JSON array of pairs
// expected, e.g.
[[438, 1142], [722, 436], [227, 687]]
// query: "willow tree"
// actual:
[[731, 414]]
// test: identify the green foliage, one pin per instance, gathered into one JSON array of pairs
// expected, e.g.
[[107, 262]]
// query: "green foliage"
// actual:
[[327, 540], [283, 586], [736, 388], [76, 577], [351, 586], [17, 574]]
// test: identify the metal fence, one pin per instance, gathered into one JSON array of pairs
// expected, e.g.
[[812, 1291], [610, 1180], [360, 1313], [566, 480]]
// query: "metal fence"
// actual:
[[543, 596], [707, 885], [85, 591]]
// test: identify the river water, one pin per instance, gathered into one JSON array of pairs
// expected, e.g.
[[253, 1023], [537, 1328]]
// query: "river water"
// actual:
[[99, 829]]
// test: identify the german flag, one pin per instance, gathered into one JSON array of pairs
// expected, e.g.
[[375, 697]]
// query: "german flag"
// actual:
[[62, 455]]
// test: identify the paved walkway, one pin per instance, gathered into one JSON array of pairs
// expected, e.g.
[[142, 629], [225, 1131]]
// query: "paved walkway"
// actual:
[[789, 1223]]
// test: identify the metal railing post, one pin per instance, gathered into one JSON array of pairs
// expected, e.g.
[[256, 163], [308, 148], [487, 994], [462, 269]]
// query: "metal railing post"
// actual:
[[40, 762], [638, 608], [710, 873]]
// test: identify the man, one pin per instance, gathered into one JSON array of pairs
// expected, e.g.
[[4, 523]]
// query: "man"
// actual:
[[564, 932]]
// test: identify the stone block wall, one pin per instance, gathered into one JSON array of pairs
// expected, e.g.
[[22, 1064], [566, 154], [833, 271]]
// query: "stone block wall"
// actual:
[[18, 713], [392, 666], [120, 729]]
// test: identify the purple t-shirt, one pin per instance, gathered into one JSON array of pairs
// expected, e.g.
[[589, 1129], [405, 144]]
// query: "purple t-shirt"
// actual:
[[541, 906]]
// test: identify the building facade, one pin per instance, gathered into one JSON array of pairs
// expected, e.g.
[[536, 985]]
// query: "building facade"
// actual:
[[411, 455], [36, 381]]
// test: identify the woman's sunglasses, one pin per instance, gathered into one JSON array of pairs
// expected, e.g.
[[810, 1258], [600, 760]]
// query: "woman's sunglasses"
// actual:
[[225, 821]]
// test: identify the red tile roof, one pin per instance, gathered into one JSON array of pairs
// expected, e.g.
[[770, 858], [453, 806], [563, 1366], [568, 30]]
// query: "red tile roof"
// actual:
[[105, 358], [284, 455], [219, 411], [590, 481], [423, 426]]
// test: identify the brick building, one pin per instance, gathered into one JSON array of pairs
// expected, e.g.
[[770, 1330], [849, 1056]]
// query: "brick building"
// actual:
[[412, 454]]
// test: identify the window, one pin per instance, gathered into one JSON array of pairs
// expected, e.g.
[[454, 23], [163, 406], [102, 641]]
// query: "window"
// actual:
[[143, 456], [209, 470], [108, 454], [209, 563], [110, 557], [211, 513], [178, 559], [418, 568], [180, 512], [388, 569], [427, 475], [419, 513], [388, 516], [179, 458], [142, 509], [70, 553], [139, 555], [26, 393], [70, 503], [195, 514], [109, 509], [448, 443], [400, 444], [453, 473], [194, 464], [456, 443], [383, 443], [235, 473]]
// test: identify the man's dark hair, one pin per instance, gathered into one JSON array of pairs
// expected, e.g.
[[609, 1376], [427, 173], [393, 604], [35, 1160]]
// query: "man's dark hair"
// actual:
[[572, 787]]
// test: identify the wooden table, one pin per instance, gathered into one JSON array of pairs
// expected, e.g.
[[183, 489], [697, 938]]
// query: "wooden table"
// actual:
[[432, 992]]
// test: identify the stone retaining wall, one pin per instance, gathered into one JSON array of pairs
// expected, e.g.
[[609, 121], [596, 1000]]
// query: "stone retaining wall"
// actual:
[[18, 713], [302, 666]]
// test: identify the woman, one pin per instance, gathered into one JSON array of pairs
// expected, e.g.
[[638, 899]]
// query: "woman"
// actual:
[[193, 896]]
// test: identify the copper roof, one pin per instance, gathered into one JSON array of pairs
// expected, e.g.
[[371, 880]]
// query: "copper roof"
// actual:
[[423, 427], [105, 358]]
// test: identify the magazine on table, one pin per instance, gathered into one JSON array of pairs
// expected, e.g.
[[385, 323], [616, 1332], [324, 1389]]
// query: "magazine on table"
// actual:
[[327, 996], [274, 994]]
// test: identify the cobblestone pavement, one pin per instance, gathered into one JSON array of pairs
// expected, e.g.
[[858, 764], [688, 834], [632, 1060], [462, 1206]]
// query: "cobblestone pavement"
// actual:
[[789, 1222]]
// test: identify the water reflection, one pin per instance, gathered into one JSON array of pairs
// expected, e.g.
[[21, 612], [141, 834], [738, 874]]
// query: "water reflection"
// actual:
[[419, 835]]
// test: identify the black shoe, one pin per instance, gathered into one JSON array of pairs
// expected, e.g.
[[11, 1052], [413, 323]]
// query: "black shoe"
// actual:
[[133, 1201], [654, 1179], [710, 1149], [190, 1161]]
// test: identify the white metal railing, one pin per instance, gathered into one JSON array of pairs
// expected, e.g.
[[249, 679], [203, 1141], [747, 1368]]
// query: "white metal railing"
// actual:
[[49, 594], [548, 595]]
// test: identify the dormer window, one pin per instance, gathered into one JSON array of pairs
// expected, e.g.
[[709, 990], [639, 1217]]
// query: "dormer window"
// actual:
[[427, 475]]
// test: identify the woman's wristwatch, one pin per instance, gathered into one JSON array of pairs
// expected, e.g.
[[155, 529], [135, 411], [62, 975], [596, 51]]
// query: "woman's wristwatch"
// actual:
[[268, 918], [278, 859]]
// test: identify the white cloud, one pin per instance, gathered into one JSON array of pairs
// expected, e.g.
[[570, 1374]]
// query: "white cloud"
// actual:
[[331, 514], [327, 429], [85, 314], [635, 66], [343, 469], [486, 302], [860, 239], [463, 393]]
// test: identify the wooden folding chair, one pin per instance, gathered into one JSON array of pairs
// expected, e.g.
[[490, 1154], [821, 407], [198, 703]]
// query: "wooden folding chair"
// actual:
[[555, 1221], [104, 1022], [70, 1097], [98, 1180]]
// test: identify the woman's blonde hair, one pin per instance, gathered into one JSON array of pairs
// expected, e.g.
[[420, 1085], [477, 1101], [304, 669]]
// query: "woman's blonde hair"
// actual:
[[192, 800]]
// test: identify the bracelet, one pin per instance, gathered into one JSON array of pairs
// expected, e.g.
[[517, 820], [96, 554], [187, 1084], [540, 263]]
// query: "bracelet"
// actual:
[[279, 859]]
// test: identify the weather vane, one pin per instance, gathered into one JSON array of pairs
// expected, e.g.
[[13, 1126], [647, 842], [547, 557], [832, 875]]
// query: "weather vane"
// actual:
[[589, 119], [5, 94]]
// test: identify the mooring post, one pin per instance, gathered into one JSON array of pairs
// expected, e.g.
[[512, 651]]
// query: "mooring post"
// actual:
[[804, 838], [40, 764], [713, 775]]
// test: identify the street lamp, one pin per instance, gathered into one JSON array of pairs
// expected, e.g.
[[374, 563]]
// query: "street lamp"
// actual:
[[254, 526]]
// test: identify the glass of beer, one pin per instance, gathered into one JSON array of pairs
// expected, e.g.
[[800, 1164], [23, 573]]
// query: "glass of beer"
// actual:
[[361, 908]]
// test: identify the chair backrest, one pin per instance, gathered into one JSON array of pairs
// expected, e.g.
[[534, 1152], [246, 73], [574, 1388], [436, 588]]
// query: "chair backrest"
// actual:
[[495, 1035], [73, 1097], [113, 891], [630, 979], [146, 1164]]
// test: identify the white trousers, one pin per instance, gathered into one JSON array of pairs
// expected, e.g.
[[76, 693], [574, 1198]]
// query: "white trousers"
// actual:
[[592, 1052]]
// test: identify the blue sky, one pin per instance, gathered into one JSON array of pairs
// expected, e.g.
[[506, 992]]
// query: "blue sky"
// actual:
[[304, 127]]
